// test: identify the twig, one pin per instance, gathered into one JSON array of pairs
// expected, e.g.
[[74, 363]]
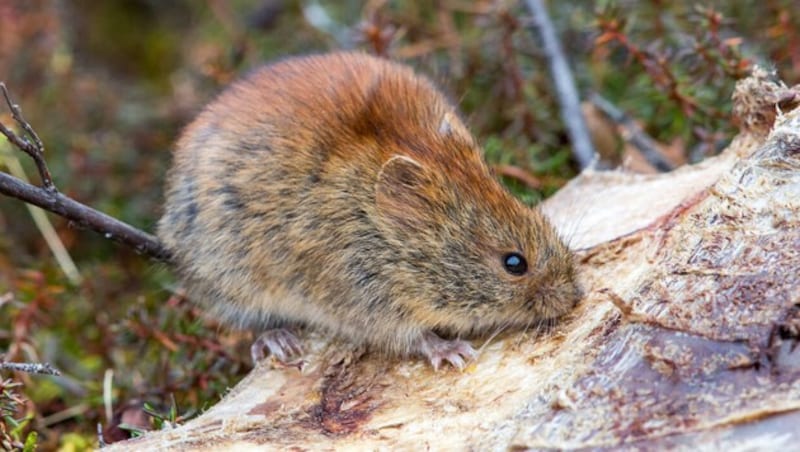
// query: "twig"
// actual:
[[50, 199], [519, 174], [564, 82], [83, 216], [31, 368], [633, 133], [101, 442], [108, 385], [35, 149], [63, 415]]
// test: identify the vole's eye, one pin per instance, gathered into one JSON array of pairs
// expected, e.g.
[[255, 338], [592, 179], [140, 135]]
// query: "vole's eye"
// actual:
[[515, 263]]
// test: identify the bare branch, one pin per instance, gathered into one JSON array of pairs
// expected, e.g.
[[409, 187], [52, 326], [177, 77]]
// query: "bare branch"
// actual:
[[564, 83], [35, 149], [84, 216], [519, 174], [633, 133], [31, 368]]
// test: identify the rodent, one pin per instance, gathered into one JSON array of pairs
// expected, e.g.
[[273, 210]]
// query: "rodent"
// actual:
[[343, 192]]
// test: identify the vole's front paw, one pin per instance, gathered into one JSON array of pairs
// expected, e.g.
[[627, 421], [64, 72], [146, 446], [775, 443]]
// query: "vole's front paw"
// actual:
[[457, 352], [281, 343]]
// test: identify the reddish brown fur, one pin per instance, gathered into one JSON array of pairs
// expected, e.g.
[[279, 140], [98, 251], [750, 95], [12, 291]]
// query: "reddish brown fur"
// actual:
[[343, 192]]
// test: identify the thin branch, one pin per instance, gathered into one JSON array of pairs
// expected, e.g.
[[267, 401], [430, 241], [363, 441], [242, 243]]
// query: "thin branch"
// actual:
[[35, 149], [84, 216], [564, 83], [50, 199], [31, 368], [633, 133], [519, 174], [101, 442]]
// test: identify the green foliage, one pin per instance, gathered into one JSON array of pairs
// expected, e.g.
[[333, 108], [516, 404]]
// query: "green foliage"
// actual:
[[76, 442], [109, 84], [675, 66], [30, 442], [12, 428]]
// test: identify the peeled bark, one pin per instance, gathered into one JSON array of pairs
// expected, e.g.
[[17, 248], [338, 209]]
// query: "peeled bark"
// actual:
[[687, 334]]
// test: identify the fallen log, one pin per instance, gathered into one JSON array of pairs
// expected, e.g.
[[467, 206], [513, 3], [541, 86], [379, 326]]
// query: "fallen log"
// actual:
[[687, 334]]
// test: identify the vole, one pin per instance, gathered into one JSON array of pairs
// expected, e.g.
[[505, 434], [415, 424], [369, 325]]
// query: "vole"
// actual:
[[342, 192]]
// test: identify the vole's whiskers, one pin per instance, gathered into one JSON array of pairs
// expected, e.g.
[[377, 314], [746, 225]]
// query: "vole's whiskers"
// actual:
[[500, 328], [568, 232], [524, 332]]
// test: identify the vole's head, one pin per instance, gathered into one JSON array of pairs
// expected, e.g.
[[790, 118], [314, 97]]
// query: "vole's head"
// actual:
[[471, 257]]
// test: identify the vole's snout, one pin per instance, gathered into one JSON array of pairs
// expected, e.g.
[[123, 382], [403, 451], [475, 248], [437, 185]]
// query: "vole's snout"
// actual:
[[578, 294], [572, 294], [559, 298]]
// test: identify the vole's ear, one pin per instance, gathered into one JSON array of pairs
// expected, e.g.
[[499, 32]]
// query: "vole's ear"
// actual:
[[403, 193]]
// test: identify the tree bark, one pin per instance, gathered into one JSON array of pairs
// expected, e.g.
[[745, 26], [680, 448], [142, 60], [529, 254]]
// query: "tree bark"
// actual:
[[687, 334]]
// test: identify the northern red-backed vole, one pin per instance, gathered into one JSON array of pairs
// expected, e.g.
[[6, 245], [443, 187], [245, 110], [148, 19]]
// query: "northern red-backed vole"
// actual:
[[343, 192]]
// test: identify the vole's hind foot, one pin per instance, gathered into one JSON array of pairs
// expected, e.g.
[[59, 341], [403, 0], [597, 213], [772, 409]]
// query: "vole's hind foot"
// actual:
[[281, 343], [457, 352]]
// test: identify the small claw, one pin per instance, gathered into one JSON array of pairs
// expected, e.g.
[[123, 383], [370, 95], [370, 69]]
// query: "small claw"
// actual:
[[457, 352], [281, 343], [458, 362], [257, 351]]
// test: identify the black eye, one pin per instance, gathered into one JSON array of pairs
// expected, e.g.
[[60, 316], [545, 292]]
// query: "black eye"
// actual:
[[515, 263]]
